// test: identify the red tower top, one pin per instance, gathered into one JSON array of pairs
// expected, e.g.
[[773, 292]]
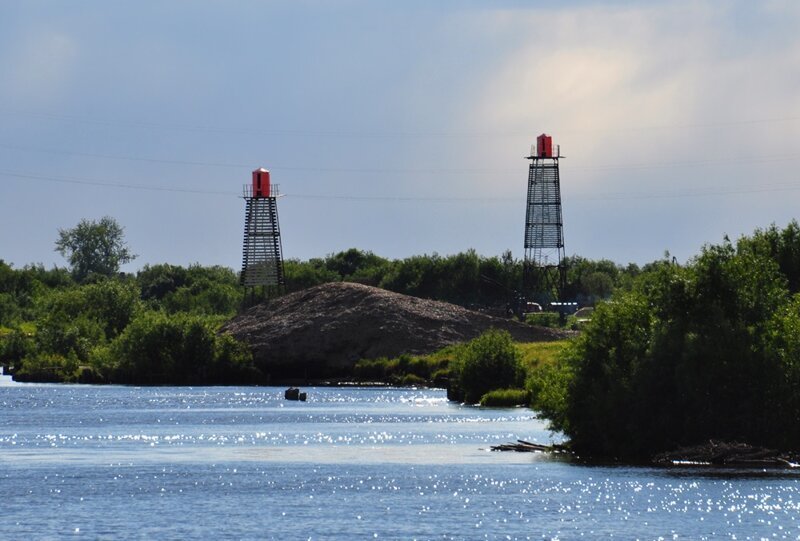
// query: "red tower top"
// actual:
[[544, 146], [261, 186]]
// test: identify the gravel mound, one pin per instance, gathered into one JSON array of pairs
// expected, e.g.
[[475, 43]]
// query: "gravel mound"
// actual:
[[322, 331]]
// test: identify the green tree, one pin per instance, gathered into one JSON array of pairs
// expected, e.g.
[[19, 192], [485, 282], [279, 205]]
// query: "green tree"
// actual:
[[71, 323], [589, 281], [110, 303], [15, 346], [94, 247], [489, 362], [157, 348], [780, 245], [690, 353], [157, 281], [355, 265], [204, 297], [305, 274]]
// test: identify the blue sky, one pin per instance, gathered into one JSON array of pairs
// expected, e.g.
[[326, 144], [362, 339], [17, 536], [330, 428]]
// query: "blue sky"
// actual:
[[396, 127]]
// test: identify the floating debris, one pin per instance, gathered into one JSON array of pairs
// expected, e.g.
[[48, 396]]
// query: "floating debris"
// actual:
[[523, 446], [715, 453]]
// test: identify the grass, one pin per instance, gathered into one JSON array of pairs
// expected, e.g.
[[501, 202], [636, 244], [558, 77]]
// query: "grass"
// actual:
[[433, 368], [26, 327], [506, 398], [535, 354], [403, 370]]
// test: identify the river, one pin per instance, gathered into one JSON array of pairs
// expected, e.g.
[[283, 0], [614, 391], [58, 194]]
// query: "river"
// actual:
[[114, 462]]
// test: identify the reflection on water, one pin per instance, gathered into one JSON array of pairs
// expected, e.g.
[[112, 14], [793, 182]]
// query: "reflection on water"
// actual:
[[241, 463]]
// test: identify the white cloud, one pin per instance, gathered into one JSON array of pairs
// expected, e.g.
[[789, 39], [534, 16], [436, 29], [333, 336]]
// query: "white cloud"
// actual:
[[640, 84]]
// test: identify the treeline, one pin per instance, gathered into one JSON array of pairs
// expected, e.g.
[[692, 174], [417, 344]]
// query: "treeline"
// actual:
[[707, 350], [158, 326], [92, 324], [465, 278]]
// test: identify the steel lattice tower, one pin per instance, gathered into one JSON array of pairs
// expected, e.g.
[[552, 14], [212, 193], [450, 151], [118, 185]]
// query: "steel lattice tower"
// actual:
[[544, 270], [262, 256]]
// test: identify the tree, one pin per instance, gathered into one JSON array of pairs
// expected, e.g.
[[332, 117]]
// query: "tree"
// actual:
[[489, 362], [707, 350], [94, 247], [183, 349]]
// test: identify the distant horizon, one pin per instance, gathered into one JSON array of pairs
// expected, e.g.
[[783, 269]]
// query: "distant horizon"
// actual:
[[126, 268], [400, 129]]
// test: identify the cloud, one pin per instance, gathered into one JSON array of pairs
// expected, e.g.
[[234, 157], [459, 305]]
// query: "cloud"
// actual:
[[641, 84]]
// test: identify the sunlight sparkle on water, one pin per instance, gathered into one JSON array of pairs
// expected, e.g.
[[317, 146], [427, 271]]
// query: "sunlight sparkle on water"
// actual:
[[351, 463]]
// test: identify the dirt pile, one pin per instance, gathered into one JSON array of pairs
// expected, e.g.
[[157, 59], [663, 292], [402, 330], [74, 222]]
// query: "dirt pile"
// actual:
[[322, 331]]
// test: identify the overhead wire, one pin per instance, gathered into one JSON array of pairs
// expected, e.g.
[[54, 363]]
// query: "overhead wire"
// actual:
[[108, 184], [387, 134], [273, 167], [719, 161], [735, 160], [708, 192]]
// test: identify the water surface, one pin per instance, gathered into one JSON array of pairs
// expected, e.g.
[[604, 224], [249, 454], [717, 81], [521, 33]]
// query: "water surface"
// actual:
[[107, 462]]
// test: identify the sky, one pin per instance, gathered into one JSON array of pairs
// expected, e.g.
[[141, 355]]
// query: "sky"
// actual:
[[396, 127]]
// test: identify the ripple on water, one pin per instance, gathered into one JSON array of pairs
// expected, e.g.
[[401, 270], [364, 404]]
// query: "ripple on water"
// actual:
[[354, 463]]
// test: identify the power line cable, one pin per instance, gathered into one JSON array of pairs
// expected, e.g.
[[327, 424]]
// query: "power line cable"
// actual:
[[276, 167], [109, 184], [384, 134], [736, 160], [608, 196]]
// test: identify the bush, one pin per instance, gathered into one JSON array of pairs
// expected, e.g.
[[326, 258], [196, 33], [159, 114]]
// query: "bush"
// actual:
[[402, 370], [156, 281], [15, 346], [49, 367], [544, 319], [370, 370], [548, 384], [489, 362], [109, 304], [705, 351], [505, 398], [412, 380], [65, 336], [205, 297], [157, 348]]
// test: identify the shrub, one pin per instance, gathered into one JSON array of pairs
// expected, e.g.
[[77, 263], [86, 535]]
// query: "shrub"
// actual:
[[412, 380], [490, 361], [65, 336], [157, 348], [548, 384], [15, 346], [49, 367], [402, 370], [505, 398], [370, 370], [705, 351], [544, 319]]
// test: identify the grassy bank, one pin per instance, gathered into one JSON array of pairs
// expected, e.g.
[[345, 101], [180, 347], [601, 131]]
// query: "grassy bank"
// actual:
[[440, 369]]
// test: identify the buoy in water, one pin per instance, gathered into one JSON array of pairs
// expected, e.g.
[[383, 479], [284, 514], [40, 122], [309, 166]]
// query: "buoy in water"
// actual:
[[293, 393]]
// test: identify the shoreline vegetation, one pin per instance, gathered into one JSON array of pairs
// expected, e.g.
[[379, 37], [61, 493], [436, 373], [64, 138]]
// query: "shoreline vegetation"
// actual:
[[676, 356], [70, 325]]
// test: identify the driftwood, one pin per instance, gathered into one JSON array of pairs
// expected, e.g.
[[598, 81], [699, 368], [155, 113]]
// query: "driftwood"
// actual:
[[716, 453], [523, 446], [713, 453]]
